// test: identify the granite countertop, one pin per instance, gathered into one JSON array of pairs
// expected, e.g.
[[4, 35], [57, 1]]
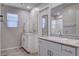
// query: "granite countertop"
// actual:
[[65, 41]]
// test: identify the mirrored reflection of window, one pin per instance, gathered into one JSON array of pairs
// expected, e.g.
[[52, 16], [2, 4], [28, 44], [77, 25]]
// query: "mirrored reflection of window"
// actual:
[[12, 20], [57, 24], [53, 26], [45, 25]]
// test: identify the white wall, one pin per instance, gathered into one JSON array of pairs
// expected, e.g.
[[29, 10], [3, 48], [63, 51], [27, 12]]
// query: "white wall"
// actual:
[[11, 36], [34, 15]]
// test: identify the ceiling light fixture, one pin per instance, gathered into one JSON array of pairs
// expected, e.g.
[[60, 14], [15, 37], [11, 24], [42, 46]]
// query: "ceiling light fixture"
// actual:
[[28, 7]]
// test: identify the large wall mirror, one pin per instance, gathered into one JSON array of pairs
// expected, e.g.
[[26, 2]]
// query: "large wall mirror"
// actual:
[[65, 20], [56, 21]]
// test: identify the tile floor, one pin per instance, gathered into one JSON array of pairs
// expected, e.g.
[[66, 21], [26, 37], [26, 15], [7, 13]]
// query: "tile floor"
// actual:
[[17, 52]]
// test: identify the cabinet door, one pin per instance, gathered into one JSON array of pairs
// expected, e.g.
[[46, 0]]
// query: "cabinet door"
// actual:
[[49, 48], [35, 43], [42, 48], [68, 51], [22, 41], [31, 45], [26, 42], [52, 52], [77, 51], [55, 49]]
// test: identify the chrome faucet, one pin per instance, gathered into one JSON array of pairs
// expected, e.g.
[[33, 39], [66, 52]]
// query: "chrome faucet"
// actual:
[[60, 34]]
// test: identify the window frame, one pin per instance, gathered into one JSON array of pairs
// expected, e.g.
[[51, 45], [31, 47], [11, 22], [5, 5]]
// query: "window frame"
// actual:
[[17, 21]]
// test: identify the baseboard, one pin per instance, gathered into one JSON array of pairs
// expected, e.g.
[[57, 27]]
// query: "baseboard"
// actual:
[[25, 50], [10, 48]]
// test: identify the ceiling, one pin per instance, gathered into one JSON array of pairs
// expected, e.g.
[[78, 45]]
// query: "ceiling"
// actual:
[[27, 6]]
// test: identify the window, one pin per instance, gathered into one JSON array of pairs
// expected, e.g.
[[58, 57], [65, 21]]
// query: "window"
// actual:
[[12, 20]]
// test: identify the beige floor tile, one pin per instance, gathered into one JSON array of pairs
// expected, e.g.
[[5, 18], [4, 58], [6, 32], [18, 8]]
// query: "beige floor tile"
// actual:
[[17, 52]]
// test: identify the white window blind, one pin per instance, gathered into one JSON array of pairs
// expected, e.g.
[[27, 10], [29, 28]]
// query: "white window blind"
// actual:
[[12, 20]]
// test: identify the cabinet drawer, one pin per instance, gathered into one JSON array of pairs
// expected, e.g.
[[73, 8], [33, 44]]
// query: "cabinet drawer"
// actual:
[[51, 52], [55, 46], [68, 51]]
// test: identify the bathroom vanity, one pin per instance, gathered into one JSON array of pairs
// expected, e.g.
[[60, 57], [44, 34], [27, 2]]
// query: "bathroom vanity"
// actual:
[[56, 46], [63, 29]]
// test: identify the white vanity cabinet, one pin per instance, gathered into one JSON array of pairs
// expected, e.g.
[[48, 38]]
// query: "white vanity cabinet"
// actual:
[[30, 42], [42, 48], [24, 42], [47, 48], [52, 48], [68, 51]]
